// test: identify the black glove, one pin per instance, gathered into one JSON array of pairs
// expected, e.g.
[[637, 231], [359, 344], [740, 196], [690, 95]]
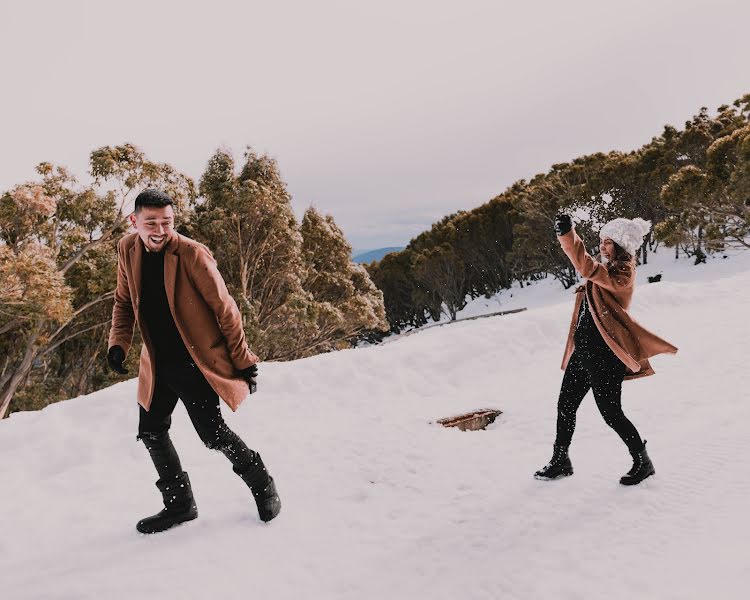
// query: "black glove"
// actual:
[[115, 358], [563, 224], [249, 375]]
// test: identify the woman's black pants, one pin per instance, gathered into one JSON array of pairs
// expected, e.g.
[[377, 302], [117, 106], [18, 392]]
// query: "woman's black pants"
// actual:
[[603, 372], [186, 382]]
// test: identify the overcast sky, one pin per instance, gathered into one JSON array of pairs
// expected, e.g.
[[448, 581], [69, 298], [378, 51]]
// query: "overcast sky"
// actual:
[[387, 115]]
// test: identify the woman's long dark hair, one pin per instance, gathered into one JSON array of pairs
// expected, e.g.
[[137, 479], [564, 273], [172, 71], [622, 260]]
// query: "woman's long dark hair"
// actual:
[[622, 264]]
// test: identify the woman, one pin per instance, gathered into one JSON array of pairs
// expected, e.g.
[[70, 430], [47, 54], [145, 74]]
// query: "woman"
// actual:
[[605, 345]]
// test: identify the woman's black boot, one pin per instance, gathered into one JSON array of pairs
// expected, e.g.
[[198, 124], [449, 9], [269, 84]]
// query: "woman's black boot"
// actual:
[[179, 505], [558, 466], [642, 468], [262, 486]]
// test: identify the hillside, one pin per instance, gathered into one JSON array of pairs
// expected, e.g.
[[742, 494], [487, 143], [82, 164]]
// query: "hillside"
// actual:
[[545, 292], [380, 502]]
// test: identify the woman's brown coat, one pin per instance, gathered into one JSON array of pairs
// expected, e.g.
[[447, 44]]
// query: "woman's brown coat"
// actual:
[[205, 314], [609, 295]]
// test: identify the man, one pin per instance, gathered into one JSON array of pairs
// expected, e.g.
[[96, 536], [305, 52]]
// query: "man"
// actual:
[[194, 349]]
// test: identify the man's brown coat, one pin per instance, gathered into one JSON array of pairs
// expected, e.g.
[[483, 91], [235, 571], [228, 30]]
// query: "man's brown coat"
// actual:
[[205, 314]]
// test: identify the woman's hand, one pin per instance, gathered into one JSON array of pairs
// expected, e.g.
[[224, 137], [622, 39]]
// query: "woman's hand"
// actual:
[[563, 224]]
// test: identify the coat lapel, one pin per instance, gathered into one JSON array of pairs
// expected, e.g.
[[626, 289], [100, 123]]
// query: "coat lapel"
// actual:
[[136, 262], [170, 271]]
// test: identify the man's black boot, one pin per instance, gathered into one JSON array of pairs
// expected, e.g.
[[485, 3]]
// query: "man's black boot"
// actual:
[[262, 486], [179, 505], [641, 469], [558, 466], [173, 483]]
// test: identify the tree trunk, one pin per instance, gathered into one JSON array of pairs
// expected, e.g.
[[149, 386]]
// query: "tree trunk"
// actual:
[[19, 374]]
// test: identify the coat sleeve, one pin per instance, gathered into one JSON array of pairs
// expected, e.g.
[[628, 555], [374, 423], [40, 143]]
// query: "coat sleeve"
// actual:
[[123, 315], [211, 286], [591, 269]]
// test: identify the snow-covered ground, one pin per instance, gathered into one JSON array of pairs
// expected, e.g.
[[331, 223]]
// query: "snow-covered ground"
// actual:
[[380, 502]]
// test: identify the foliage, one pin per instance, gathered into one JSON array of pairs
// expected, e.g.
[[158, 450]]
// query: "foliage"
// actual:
[[693, 184], [298, 290], [57, 253]]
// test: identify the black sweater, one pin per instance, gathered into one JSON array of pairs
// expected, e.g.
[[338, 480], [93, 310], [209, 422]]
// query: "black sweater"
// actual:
[[587, 337], [157, 316]]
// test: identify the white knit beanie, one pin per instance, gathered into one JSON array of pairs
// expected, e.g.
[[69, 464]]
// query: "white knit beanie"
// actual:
[[626, 233]]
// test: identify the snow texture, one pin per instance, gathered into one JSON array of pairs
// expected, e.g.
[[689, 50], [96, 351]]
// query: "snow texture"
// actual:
[[381, 502]]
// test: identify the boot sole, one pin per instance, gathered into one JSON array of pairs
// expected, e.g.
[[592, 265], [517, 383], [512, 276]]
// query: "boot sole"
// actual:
[[560, 476], [160, 530], [636, 482]]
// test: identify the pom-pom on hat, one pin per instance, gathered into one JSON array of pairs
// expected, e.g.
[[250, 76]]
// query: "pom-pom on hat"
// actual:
[[626, 233]]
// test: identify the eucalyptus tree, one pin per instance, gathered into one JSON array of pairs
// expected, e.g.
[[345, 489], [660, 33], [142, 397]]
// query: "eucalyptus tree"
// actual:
[[57, 240]]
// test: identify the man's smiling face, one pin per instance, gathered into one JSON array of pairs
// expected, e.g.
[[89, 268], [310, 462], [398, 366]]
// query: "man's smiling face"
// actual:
[[154, 226]]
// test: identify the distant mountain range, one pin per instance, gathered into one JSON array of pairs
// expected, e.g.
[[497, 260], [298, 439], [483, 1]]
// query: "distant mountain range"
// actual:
[[367, 256]]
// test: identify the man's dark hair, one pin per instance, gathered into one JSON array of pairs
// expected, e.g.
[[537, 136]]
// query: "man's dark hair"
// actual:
[[151, 197]]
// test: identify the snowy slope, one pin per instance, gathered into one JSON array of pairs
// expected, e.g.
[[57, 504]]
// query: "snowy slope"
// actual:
[[379, 502]]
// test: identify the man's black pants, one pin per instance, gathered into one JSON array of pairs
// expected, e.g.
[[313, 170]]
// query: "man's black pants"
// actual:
[[603, 372], [186, 382]]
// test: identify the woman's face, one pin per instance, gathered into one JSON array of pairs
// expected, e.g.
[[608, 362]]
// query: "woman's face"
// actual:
[[607, 250]]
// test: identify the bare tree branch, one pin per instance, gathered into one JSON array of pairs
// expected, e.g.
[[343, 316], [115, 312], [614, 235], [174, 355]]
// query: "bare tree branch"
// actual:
[[10, 326], [100, 240], [70, 337], [83, 308]]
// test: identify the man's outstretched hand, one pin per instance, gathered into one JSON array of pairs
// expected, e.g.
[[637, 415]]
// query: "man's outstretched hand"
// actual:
[[249, 375], [115, 358], [563, 224]]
